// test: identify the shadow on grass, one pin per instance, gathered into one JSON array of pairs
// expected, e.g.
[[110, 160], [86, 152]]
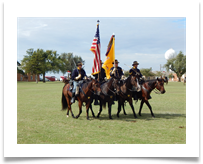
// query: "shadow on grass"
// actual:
[[145, 116]]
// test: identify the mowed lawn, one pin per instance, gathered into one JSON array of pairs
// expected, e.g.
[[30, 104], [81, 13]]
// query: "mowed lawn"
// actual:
[[40, 119]]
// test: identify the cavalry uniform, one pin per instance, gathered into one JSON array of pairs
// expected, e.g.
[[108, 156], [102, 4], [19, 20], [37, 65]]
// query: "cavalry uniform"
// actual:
[[135, 70], [101, 75], [116, 71], [77, 75]]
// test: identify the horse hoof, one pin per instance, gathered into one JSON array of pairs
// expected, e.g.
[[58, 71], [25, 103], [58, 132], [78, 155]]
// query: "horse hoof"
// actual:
[[110, 118]]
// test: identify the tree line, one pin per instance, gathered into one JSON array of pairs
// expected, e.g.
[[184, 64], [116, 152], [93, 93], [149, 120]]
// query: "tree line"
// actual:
[[176, 64], [40, 62]]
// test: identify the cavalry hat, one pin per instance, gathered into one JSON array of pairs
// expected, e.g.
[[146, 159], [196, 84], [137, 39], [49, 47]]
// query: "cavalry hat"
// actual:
[[135, 63], [79, 63], [116, 61]]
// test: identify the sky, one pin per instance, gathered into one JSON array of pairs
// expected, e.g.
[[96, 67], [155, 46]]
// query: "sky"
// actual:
[[142, 39]]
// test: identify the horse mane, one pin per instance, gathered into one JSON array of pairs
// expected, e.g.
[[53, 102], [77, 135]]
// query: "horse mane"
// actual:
[[150, 82], [85, 85], [126, 80]]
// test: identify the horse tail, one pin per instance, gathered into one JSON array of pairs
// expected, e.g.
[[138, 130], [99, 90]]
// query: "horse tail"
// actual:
[[63, 100], [104, 105]]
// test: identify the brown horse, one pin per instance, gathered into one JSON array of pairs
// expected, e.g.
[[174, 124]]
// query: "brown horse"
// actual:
[[147, 88], [85, 95], [126, 93], [108, 90]]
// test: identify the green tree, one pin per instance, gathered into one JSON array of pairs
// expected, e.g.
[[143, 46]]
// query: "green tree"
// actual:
[[126, 73], [147, 72], [177, 65], [32, 63], [67, 62], [19, 69], [40, 62]]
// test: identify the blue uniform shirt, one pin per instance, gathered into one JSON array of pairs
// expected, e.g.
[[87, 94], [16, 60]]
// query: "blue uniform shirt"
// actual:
[[119, 72], [102, 75], [75, 74], [135, 71]]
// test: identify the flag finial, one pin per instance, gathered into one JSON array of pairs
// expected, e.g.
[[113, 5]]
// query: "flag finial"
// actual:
[[98, 21]]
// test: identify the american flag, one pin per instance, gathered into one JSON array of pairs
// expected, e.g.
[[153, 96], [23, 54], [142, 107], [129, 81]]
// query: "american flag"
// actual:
[[95, 48]]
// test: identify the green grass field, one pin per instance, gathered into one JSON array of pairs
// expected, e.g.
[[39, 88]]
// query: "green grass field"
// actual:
[[41, 121]]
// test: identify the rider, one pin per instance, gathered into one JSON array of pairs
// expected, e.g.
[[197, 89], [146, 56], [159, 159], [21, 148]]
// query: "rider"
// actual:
[[77, 75], [116, 71], [137, 72], [100, 77]]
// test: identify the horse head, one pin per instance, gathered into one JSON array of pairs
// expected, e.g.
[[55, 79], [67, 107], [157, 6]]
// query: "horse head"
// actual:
[[160, 85], [135, 81], [116, 84], [96, 87]]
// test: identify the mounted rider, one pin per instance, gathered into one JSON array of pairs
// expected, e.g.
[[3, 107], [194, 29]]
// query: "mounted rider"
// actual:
[[101, 75], [137, 72], [101, 78], [77, 76], [116, 71]]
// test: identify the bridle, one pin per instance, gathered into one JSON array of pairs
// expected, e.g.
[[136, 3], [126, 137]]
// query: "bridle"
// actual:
[[155, 90]]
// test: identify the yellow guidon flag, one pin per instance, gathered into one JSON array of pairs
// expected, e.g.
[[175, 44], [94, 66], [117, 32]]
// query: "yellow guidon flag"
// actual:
[[110, 57]]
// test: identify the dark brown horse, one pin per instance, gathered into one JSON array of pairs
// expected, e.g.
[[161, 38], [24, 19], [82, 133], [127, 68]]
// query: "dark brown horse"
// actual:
[[126, 93], [146, 89], [107, 95], [85, 95]]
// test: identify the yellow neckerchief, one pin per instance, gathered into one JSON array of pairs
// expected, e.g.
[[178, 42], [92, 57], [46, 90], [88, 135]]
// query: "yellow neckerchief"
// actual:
[[79, 68], [134, 68]]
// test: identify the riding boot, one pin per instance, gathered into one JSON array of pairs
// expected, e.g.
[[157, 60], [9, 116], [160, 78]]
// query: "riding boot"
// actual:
[[96, 100], [73, 97]]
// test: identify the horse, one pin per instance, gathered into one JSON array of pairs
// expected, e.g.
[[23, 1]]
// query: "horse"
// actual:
[[107, 95], [146, 89], [87, 90], [126, 93]]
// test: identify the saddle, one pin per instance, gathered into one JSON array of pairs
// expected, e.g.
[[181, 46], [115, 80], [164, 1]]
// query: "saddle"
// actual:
[[78, 88]]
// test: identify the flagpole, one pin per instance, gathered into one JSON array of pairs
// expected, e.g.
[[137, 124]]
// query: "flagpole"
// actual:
[[100, 56], [114, 51]]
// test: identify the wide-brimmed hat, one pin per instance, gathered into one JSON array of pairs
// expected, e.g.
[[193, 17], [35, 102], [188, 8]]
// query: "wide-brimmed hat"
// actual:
[[135, 63], [116, 61], [79, 63]]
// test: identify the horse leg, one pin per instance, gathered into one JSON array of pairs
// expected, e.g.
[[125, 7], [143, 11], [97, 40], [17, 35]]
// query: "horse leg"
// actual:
[[87, 109], [100, 109], [80, 108], [91, 110], [132, 107], [141, 105], [150, 108], [69, 108], [119, 108], [109, 109], [124, 110]]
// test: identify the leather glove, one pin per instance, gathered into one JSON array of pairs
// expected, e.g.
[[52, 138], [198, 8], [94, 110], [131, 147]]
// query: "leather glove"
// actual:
[[78, 77], [122, 77], [114, 70]]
